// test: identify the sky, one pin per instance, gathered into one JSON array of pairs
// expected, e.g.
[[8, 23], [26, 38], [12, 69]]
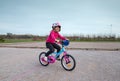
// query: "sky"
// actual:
[[75, 16]]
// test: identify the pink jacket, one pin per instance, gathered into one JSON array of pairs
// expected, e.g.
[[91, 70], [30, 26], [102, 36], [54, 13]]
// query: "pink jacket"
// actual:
[[54, 35]]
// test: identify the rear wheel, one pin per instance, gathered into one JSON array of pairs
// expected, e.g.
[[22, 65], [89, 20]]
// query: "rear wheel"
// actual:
[[41, 59], [68, 62]]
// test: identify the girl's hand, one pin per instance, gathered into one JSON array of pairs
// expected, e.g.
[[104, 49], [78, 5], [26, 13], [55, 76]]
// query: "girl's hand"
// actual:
[[67, 39], [57, 40]]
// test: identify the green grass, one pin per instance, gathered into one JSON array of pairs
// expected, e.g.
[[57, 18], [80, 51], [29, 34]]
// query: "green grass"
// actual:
[[17, 40], [31, 40], [95, 40]]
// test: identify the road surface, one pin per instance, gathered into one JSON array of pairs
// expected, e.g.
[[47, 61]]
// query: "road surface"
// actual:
[[109, 46], [22, 64]]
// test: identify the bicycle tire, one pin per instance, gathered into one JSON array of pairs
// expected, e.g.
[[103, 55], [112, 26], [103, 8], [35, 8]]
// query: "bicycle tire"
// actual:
[[40, 59], [65, 65]]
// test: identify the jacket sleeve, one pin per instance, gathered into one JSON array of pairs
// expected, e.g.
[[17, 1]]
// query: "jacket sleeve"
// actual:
[[61, 37]]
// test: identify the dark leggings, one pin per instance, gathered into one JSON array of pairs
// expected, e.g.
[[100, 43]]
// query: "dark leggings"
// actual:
[[51, 47]]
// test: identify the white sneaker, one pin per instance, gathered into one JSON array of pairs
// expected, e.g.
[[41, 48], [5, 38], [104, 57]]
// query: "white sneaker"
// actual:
[[45, 58]]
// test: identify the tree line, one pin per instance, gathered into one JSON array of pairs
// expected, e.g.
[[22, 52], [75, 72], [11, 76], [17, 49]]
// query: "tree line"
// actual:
[[72, 38]]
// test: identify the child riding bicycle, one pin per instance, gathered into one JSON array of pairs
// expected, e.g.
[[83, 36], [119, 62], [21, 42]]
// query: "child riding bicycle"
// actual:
[[52, 39]]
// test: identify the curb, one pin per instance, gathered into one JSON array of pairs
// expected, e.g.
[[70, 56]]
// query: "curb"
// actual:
[[98, 49]]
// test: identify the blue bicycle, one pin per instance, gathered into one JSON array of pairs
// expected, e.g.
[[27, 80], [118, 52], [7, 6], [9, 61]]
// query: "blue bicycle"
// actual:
[[67, 61]]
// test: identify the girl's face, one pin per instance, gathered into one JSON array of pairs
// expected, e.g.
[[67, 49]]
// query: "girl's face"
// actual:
[[57, 29]]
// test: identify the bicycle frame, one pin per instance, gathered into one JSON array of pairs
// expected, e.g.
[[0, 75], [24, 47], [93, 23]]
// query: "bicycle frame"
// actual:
[[61, 51], [57, 54]]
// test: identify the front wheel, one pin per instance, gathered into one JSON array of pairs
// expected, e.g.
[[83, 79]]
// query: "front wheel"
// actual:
[[68, 62], [41, 59]]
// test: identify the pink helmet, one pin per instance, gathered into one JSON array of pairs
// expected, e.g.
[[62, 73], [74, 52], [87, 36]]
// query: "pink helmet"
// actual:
[[56, 25]]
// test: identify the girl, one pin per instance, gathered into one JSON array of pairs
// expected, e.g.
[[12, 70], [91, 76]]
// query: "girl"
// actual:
[[52, 39]]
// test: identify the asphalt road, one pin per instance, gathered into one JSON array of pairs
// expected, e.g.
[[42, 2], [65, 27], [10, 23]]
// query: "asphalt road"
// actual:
[[22, 64], [109, 46]]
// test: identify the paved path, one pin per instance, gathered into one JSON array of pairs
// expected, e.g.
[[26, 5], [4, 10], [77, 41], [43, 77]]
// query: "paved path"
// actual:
[[113, 46], [20, 64]]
